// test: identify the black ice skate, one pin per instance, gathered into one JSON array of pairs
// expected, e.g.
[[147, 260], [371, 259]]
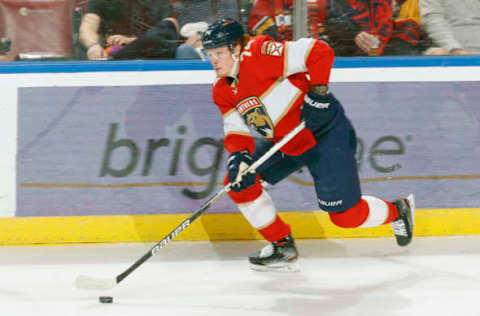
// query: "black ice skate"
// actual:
[[403, 225], [280, 255]]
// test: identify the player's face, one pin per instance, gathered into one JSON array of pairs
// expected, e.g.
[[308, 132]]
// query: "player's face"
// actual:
[[222, 61]]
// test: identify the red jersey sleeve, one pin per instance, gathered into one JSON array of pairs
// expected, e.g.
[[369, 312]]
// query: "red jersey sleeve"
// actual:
[[319, 63], [308, 55]]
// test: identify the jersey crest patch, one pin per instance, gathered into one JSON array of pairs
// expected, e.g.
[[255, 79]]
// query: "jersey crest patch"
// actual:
[[255, 115], [272, 48]]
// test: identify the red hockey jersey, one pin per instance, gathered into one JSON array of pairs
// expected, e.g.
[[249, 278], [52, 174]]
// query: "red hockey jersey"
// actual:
[[273, 79]]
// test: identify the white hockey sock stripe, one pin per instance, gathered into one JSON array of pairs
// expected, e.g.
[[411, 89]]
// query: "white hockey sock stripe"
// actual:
[[259, 213], [378, 211]]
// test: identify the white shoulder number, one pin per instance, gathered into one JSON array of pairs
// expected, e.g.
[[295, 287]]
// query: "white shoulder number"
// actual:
[[246, 50]]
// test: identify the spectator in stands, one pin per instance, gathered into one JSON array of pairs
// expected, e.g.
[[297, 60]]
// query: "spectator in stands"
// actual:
[[192, 48], [145, 29], [454, 26], [351, 27], [408, 37]]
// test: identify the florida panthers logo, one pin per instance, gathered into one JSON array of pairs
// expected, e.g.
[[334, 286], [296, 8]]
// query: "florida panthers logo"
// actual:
[[255, 115]]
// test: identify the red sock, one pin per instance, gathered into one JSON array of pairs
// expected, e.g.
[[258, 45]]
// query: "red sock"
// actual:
[[368, 212], [277, 230], [392, 213]]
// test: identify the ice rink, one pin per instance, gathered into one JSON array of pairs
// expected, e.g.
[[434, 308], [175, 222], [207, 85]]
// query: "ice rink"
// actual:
[[433, 276]]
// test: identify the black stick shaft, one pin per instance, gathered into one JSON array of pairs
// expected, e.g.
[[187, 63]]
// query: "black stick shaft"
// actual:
[[174, 233]]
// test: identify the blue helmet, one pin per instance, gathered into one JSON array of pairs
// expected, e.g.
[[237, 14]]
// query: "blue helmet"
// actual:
[[223, 32]]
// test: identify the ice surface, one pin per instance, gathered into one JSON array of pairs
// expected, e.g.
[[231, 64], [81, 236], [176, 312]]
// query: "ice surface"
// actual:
[[433, 276]]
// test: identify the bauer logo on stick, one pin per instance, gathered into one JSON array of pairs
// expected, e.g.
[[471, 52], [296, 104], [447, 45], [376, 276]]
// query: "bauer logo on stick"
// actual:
[[255, 115]]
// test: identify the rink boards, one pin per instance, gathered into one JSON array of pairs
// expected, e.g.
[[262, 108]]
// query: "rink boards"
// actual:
[[112, 152], [225, 226]]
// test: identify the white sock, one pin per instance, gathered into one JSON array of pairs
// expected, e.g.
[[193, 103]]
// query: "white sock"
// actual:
[[260, 212]]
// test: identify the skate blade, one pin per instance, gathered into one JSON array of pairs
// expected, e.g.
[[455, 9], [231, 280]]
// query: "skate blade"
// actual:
[[282, 267]]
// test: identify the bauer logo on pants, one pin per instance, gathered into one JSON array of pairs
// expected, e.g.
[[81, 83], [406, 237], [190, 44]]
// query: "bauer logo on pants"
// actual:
[[255, 115]]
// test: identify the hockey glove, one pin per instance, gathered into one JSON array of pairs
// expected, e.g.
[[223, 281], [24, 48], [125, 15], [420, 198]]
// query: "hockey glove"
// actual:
[[238, 162], [315, 109]]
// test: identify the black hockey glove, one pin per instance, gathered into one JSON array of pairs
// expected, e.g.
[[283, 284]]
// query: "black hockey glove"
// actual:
[[238, 162], [316, 105]]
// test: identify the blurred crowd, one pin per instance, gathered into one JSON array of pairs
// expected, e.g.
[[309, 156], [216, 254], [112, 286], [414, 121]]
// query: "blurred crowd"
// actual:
[[172, 29]]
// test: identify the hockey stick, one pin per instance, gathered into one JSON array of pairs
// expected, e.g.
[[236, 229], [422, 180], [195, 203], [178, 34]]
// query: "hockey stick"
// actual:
[[92, 283]]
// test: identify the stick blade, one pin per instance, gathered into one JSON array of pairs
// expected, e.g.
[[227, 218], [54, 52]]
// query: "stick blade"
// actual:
[[90, 283]]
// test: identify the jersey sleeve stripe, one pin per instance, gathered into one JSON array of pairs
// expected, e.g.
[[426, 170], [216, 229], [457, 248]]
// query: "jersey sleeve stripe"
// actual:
[[297, 53], [283, 93], [270, 89], [224, 115], [288, 107], [238, 133], [285, 61], [233, 123]]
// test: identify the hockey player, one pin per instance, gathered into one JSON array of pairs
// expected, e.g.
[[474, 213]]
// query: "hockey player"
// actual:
[[270, 87]]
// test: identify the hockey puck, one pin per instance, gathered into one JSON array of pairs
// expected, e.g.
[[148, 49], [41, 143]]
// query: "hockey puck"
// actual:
[[105, 299]]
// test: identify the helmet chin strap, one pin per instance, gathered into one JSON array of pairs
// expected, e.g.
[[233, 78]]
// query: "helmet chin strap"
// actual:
[[236, 64]]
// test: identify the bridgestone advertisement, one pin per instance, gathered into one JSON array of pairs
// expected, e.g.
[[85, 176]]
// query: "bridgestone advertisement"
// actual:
[[159, 149]]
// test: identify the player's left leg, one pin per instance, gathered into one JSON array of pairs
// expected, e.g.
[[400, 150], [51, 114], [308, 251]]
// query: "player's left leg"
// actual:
[[334, 169]]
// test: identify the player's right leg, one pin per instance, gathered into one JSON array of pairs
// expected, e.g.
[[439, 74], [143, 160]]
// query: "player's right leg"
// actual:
[[258, 208]]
